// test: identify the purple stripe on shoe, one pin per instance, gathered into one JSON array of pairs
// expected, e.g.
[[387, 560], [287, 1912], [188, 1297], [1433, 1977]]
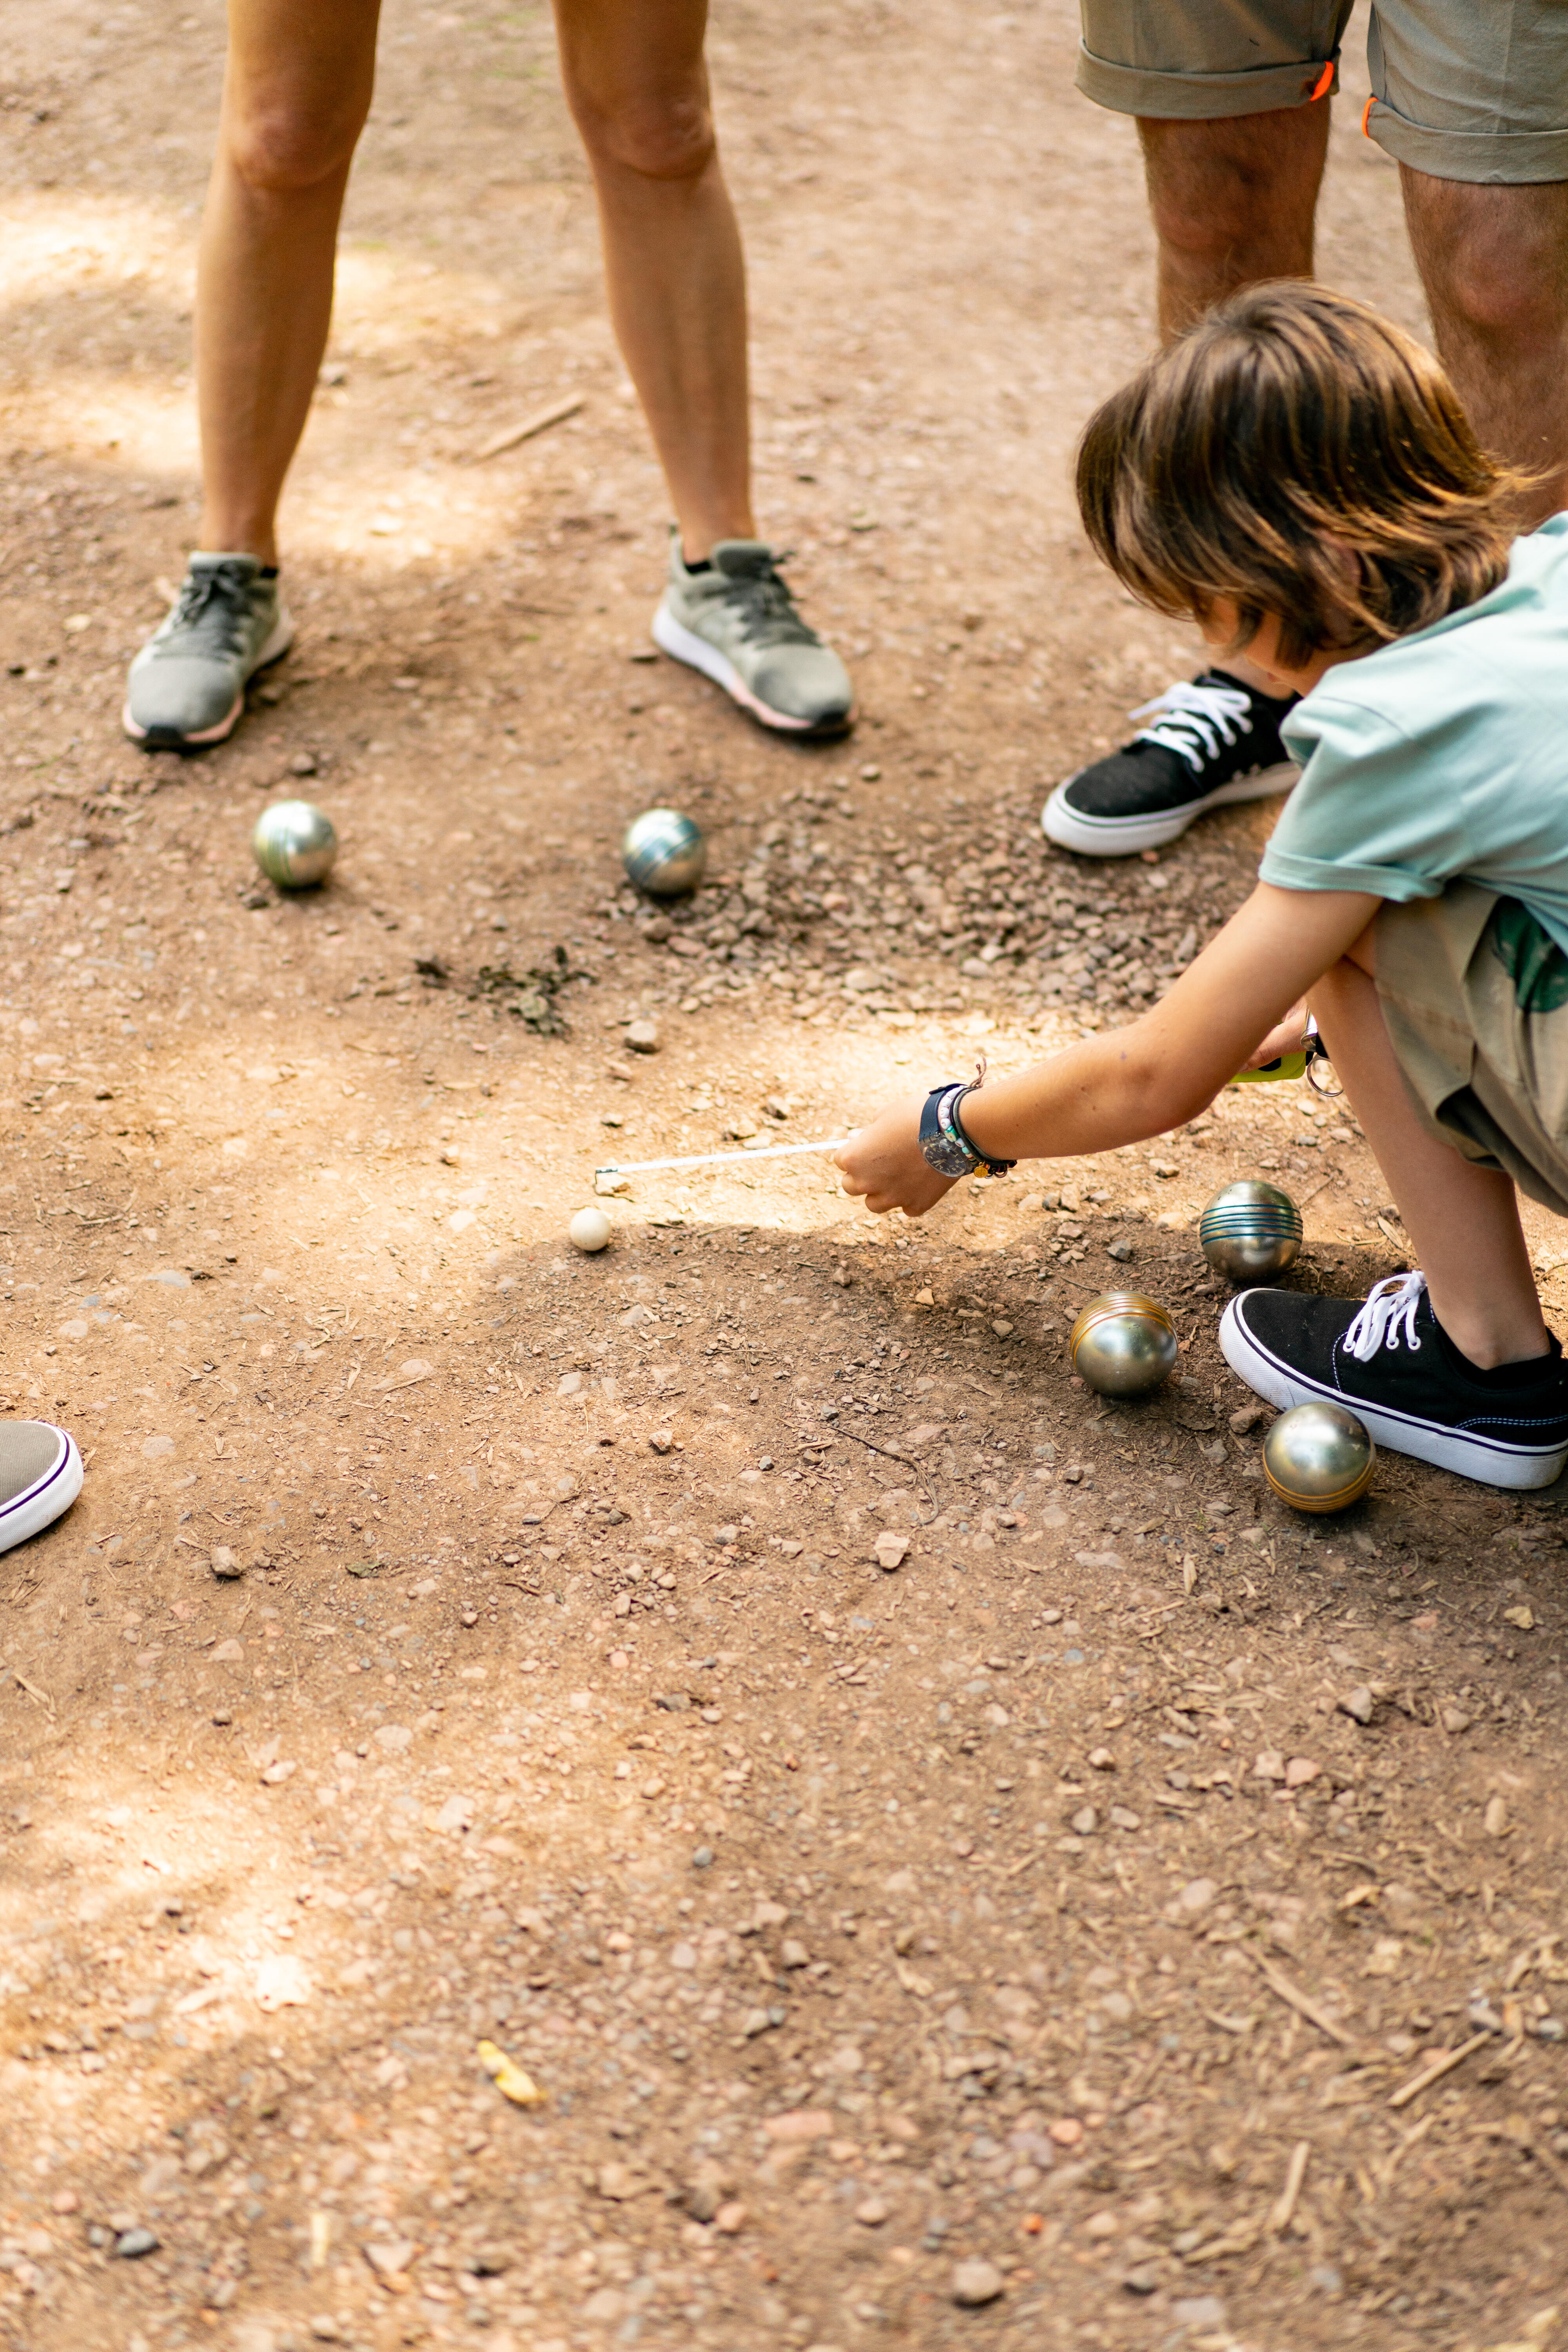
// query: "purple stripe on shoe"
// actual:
[[31, 1494]]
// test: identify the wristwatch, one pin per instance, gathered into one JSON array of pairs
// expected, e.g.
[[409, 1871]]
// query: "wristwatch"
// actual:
[[943, 1143]]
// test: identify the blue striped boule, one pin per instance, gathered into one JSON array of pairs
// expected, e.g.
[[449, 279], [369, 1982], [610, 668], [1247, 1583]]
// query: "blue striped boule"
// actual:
[[664, 853], [1250, 1231]]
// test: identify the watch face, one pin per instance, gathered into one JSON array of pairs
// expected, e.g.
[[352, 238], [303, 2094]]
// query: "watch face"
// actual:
[[938, 1148]]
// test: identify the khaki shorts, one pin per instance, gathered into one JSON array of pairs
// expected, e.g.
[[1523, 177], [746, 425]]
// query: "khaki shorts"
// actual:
[[1475, 998], [1462, 89]]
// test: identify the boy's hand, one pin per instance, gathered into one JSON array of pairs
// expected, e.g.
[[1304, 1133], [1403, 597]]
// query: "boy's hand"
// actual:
[[884, 1166], [1287, 1037]]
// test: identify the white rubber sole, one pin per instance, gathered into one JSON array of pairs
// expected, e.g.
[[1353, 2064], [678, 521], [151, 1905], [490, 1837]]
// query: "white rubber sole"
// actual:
[[274, 649], [1490, 1461], [39, 1505], [683, 644], [1125, 836]]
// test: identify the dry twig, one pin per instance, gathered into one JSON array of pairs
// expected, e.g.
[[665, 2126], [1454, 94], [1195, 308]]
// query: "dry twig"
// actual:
[[556, 414], [1435, 2071], [1304, 2006], [1284, 2205]]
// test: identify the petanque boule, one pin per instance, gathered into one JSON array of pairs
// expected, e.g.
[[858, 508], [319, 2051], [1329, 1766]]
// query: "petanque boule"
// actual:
[[664, 853], [1123, 1344], [1319, 1457], [295, 844], [589, 1231], [1250, 1231]]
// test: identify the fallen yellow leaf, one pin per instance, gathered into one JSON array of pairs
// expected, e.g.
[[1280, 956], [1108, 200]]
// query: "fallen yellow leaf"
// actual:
[[509, 2077]]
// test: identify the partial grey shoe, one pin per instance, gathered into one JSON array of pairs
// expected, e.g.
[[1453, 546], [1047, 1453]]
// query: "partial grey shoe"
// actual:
[[41, 1477], [735, 620], [187, 684]]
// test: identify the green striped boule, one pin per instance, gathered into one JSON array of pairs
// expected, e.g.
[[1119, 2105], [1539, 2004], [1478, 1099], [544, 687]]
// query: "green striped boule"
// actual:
[[1250, 1231]]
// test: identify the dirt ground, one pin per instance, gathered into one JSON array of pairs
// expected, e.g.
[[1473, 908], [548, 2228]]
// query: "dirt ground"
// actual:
[[1049, 1941]]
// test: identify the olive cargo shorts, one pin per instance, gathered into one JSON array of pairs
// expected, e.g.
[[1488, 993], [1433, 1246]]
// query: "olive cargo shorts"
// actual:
[[1475, 1000], [1462, 89]]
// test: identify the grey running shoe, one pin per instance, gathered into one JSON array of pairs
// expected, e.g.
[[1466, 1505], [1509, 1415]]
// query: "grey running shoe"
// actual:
[[41, 1477], [187, 684], [735, 620]]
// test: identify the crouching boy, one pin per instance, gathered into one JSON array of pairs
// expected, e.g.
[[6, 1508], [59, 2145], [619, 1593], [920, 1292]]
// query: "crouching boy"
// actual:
[[1299, 477]]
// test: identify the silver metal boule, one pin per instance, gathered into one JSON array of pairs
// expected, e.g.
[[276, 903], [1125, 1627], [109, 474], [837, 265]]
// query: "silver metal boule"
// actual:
[[1250, 1231], [1319, 1457], [1123, 1344], [295, 844], [664, 853]]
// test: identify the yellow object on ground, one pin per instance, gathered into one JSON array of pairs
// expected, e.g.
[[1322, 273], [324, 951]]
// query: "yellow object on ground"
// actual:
[[1284, 1066], [509, 2077]]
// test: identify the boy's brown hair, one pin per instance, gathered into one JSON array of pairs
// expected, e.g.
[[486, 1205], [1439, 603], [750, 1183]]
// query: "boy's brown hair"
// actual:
[[1298, 455]]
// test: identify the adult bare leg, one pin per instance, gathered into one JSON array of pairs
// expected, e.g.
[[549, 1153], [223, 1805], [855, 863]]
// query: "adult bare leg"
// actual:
[[297, 89], [1463, 1220], [1494, 262], [1232, 201], [638, 87]]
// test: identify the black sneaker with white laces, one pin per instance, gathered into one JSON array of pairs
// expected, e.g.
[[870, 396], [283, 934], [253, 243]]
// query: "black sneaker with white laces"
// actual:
[[1215, 740], [1390, 1361]]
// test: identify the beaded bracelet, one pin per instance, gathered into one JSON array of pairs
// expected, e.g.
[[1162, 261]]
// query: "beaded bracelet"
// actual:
[[944, 1142]]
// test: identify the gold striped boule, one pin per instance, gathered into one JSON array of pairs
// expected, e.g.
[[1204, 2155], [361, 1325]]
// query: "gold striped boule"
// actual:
[[1123, 1344], [1319, 1457]]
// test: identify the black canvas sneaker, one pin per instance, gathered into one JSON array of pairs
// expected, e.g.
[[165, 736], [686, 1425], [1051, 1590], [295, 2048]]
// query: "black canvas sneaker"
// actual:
[[1393, 1364], [1213, 742]]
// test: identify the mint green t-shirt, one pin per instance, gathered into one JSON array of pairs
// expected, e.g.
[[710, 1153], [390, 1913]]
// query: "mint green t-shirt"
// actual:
[[1443, 756]]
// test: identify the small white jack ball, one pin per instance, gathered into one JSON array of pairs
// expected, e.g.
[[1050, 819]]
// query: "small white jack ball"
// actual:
[[589, 1230]]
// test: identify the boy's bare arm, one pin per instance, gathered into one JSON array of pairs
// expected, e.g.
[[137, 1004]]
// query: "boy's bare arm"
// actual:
[[1136, 1082]]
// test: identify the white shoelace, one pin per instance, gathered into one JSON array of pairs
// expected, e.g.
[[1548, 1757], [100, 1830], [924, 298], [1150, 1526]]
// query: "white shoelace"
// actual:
[[1388, 1305], [1198, 719]]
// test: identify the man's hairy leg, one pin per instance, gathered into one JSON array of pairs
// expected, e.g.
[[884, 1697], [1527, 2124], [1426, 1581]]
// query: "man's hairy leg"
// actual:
[[1494, 261], [638, 87], [296, 89], [1232, 201]]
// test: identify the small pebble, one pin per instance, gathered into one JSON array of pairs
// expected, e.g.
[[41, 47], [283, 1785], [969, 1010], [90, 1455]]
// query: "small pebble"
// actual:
[[131, 2245], [976, 2282], [642, 1036]]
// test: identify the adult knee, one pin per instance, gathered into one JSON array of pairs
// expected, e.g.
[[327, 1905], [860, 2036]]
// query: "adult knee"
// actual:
[[1247, 186], [1495, 260], [280, 146], [1510, 297], [661, 135], [1204, 223]]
